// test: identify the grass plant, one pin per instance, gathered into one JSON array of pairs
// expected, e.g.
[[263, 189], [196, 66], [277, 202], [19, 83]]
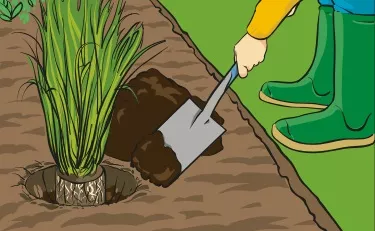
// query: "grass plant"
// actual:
[[81, 70]]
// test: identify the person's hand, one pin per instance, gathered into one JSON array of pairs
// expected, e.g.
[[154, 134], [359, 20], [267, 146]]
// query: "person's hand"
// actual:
[[249, 52]]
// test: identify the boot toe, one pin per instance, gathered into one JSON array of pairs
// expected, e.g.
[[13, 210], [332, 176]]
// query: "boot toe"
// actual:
[[282, 127], [266, 89]]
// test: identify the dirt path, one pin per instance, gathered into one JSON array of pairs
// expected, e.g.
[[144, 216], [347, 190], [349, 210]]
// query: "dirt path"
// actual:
[[239, 189]]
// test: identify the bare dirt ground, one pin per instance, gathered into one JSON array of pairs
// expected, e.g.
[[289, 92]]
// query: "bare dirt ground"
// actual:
[[249, 185]]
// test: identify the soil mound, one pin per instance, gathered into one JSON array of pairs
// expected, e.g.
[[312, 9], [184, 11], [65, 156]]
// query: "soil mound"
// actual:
[[139, 111]]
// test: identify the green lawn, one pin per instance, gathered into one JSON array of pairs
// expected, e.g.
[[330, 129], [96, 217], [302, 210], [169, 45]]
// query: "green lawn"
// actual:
[[343, 180]]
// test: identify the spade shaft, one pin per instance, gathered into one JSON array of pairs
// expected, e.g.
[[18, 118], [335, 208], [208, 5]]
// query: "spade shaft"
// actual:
[[216, 95]]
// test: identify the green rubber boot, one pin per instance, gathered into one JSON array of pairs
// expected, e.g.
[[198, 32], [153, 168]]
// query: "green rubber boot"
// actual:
[[349, 120], [315, 88]]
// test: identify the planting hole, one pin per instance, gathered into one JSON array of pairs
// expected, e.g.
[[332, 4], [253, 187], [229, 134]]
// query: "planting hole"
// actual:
[[119, 184]]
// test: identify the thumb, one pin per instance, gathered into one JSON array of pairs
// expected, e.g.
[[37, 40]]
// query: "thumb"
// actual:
[[242, 71]]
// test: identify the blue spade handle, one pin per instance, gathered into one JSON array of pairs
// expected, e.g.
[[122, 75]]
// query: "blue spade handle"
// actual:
[[216, 95], [233, 72]]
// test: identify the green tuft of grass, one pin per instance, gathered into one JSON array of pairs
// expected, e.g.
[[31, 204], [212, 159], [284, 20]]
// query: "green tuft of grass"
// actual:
[[79, 75]]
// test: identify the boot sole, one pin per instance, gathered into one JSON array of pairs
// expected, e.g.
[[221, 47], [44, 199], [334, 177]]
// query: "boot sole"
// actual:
[[270, 100], [335, 145]]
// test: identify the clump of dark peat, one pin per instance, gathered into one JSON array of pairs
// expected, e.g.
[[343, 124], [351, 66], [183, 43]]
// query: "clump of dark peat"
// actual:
[[138, 114], [156, 162]]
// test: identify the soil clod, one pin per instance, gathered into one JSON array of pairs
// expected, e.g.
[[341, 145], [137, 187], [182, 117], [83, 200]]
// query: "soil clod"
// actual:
[[156, 162]]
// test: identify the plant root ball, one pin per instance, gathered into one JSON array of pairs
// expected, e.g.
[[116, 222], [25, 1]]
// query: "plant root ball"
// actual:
[[156, 162], [86, 191]]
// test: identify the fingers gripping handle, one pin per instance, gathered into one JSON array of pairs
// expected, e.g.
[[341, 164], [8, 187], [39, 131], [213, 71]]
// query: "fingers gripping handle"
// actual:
[[215, 97]]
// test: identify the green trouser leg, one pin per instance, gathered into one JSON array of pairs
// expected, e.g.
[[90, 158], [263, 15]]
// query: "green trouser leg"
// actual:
[[315, 88], [349, 120]]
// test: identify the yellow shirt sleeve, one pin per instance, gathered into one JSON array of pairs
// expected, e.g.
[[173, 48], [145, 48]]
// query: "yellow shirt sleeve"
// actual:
[[268, 15]]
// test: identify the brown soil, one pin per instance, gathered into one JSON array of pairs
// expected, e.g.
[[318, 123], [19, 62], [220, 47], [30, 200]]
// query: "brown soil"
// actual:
[[250, 185], [155, 161], [119, 184], [138, 112]]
